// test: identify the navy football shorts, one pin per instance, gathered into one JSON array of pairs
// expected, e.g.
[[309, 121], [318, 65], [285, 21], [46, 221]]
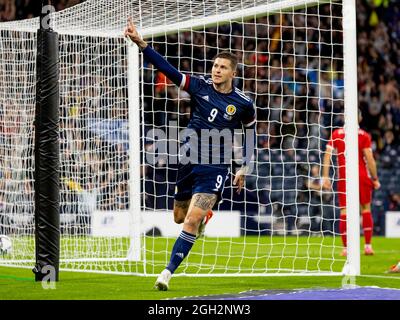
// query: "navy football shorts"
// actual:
[[197, 178]]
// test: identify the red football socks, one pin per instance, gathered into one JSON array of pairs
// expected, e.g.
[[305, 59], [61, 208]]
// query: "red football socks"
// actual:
[[343, 229], [368, 226]]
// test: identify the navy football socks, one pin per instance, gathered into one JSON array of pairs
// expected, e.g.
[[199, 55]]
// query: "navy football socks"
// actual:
[[180, 250]]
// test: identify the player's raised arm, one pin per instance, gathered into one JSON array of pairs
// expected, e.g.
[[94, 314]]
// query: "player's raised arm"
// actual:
[[371, 165], [153, 56], [132, 34]]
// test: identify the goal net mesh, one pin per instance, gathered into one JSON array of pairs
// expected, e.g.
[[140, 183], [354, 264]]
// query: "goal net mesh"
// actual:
[[290, 63]]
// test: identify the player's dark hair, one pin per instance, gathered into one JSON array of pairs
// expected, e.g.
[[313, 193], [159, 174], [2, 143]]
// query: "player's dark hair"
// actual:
[[229, 56]]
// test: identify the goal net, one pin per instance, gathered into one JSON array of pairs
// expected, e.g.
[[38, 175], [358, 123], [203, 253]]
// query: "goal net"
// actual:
[[117, 187]]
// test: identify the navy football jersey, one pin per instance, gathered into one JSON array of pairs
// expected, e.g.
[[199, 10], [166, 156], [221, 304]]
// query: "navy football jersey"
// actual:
[[214, 119], [211, 109], [215, 110]]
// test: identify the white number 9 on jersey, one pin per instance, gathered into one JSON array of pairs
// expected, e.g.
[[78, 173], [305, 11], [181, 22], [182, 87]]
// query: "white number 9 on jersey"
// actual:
[[219, 182], [213, 114]]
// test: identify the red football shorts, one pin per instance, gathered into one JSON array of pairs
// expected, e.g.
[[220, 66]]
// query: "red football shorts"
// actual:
[[366, 188]]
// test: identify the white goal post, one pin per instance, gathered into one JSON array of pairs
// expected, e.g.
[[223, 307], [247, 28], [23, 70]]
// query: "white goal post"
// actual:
[[297, 61]]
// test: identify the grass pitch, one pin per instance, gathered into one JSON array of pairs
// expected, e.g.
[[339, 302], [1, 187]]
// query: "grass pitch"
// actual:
[[16, 283]]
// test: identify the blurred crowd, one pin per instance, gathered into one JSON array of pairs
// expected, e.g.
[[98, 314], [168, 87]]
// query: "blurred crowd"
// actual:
[[11, 10], [297, 87]]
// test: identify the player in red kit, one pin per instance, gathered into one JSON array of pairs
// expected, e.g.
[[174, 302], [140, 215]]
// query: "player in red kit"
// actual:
[[368, 180]]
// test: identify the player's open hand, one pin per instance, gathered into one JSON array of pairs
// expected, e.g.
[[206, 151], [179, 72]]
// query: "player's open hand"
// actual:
[[132, 33], [239, 179]]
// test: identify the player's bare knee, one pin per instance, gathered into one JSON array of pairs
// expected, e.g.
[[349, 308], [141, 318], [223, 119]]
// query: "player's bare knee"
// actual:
[[365, 207], [180, 210], [179, 217], [192, 221]]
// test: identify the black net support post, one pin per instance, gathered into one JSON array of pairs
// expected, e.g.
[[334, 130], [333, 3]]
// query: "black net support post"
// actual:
[[47, 157]]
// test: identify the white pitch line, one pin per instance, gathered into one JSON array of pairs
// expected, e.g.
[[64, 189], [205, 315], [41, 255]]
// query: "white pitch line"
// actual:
[[381, 277]]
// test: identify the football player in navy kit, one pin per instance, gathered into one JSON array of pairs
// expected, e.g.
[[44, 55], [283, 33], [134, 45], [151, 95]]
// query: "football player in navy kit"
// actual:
[[215, 105]]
